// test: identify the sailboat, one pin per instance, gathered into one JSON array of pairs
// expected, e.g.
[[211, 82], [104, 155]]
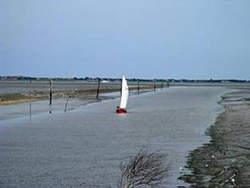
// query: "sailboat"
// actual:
[[124, 98]]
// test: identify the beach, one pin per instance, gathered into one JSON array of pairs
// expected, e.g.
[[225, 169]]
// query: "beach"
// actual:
[[225, 160]]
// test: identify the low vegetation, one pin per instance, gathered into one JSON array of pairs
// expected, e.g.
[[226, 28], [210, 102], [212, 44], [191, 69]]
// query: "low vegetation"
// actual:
[[12, 96]]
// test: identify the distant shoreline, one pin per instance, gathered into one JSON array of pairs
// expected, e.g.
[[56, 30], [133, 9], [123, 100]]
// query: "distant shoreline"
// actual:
[[109, 79], [16, 93]]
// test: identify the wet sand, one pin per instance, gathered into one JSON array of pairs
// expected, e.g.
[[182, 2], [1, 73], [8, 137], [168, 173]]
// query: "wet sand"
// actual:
[[225, 161]]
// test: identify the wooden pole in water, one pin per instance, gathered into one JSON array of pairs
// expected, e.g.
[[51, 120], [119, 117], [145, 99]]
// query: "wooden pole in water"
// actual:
[[50, 92], [154, 86], [121, 88], [138, 87], [30, 99], [98, 89], [66, 105]]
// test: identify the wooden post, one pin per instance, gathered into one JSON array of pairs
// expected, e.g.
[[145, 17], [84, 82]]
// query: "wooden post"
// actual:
[[154, 86], [66, 105], [168, 83], [30, 99], [98, 89], [121, 88], [161, 84], [50, 92], [30, 91], [138, 87]]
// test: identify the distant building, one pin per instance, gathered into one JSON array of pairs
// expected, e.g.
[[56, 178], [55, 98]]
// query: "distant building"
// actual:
[[105, 81]]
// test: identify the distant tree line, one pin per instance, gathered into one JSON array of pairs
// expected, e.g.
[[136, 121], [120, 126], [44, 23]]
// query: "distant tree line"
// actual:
[[74, 79], [209, 81], [27, 78]]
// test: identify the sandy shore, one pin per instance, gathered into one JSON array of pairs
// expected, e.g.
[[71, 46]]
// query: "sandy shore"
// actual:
[[225, 161]]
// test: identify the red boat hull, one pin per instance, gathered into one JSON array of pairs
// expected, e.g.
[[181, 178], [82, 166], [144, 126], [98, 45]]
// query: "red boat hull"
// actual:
[[121, 111]]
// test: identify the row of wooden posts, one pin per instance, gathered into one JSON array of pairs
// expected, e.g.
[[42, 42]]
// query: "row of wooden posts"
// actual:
[[98, 89], [138, 87]]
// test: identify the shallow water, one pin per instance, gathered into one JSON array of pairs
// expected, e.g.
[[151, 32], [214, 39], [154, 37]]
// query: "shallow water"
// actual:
[[84, 147]]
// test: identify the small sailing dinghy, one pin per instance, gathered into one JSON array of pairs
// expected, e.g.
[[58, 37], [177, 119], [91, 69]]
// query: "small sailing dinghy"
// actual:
[[124, 98]]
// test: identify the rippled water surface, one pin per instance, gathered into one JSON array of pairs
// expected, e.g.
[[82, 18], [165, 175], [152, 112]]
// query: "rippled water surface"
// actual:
[[84, 147]]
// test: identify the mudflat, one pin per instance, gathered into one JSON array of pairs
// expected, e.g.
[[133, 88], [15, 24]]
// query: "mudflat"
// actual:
[[225, 161]]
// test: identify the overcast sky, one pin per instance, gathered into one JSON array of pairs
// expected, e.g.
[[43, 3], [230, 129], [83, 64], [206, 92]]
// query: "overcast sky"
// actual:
[[138, 38]]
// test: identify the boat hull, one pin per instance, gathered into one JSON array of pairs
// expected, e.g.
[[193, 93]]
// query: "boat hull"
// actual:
[[121, 111]]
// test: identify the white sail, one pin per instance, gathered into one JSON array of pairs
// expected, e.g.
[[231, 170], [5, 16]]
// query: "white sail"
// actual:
[[124, 96]]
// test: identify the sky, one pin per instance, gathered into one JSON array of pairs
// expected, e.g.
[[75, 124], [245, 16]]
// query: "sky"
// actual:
[[193, 39]]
